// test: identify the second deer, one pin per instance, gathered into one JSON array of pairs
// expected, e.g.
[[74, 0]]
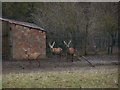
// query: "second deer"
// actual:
[[70, 50], [55, 51]]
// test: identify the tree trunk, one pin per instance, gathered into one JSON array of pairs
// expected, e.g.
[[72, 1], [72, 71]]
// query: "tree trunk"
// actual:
[[86, 35], [108, 45], [113, 42], [108, 50]]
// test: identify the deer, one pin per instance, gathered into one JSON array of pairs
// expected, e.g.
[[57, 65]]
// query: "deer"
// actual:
[[55, 51], [31, 56], [70, 50]]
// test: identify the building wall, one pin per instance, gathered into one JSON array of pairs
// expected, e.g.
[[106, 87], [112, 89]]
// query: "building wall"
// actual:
[[23, 37], [19, 37]]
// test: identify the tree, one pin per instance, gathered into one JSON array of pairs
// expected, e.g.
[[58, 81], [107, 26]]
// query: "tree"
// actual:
[[18, 11], [109, 26], [78, 21]]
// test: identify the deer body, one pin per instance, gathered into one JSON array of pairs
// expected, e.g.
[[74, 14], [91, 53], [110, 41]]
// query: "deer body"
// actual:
[[31, 56], [55, 51], [70, 50]]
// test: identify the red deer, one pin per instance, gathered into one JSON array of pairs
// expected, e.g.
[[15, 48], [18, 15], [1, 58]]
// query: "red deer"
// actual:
[[70, 50], [31, 56], [55, 51]]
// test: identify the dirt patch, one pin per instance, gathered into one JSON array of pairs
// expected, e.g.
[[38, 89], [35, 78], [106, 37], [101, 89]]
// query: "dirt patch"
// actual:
[[54, 64]]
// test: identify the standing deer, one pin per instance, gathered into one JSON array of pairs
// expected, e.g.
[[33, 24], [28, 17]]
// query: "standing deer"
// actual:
[[33, 56], [55, 51], [70, 50]]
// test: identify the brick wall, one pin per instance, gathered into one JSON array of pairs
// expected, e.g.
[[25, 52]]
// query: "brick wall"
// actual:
[[23, 37]]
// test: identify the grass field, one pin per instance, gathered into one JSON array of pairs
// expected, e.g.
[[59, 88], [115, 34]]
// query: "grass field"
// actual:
[[0, 82], [92, 78]]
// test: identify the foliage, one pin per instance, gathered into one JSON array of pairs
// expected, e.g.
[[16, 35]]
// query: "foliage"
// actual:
[[65, 21], [18, 11]]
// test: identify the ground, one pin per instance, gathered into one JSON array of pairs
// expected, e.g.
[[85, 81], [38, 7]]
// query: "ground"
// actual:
[[57, 73]]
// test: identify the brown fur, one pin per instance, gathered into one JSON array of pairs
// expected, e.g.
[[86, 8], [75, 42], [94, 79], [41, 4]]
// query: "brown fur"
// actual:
[[56, 50], [33, 56], [70, 51]]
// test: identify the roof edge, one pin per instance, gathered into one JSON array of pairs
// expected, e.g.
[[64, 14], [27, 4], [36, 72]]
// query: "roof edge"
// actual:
[[22, 24]]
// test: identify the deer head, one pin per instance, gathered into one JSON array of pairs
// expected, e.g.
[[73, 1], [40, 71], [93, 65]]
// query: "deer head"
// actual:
[[70, 50], [67, 44], [55, 50]]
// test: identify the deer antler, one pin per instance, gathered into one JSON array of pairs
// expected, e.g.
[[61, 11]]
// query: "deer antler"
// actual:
[[67, 44], [51, 46]]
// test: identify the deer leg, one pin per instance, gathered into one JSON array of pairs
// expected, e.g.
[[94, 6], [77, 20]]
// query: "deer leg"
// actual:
[[72, 57], [57, 56], [67, 57], [38, 61], [53, 55], [60, 55], [30, 62]]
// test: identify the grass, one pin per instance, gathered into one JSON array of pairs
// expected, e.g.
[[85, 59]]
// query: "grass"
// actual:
[[0, 81], [0, 84], [100, 78]]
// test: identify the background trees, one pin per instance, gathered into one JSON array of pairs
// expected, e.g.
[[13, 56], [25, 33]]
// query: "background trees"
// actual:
[[92, 27]]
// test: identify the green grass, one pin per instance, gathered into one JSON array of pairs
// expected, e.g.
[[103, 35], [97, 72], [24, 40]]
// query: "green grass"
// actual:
[[0, 81], [0, 84], [102, 78]]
